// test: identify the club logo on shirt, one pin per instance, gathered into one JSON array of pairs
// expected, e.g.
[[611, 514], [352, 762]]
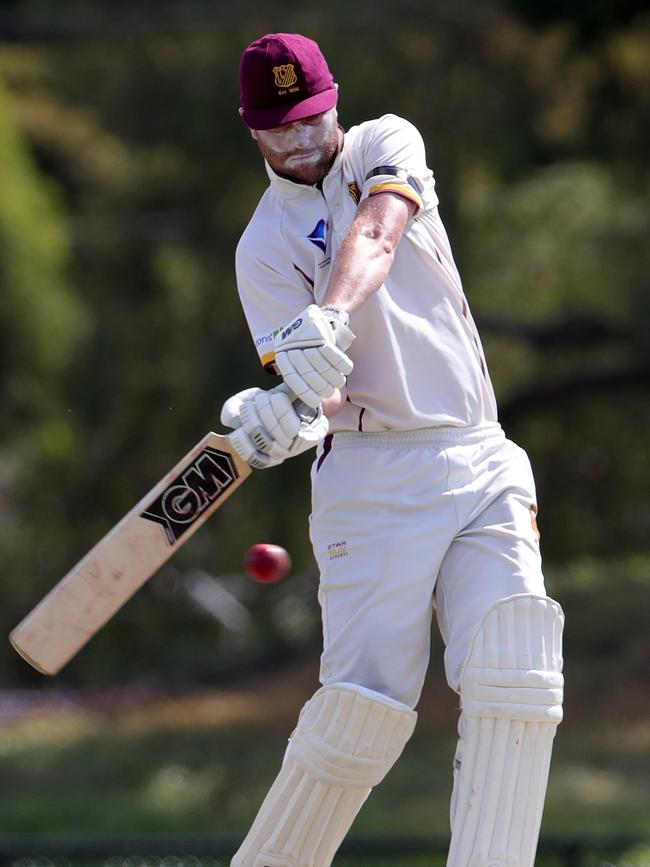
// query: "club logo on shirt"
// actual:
[[285, 75], [355, 192], [318, 235]]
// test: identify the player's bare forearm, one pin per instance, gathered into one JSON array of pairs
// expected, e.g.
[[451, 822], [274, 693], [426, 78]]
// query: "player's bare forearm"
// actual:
[[367, 252]]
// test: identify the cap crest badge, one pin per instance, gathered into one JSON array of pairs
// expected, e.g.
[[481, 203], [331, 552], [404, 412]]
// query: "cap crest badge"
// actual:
[[285, 75]]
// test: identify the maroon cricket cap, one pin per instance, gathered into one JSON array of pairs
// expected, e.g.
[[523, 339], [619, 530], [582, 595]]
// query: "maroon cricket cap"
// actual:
[[284, 77]]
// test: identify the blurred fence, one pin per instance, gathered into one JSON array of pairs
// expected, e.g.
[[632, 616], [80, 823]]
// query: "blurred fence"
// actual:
[[586, 851]]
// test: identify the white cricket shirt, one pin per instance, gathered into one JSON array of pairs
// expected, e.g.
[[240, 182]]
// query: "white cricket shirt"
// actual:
[[418, 360]]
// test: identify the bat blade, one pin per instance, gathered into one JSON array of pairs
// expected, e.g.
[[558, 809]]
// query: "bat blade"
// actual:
[[129, 554]]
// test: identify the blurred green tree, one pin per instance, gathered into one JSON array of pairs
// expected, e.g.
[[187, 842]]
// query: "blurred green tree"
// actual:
[[558, 270], [41, 324]]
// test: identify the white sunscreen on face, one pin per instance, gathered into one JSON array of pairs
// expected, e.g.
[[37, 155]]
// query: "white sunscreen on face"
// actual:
[[300, 142]]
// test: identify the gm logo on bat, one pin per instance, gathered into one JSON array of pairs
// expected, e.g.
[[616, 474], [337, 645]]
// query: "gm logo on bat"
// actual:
[[183, 502]]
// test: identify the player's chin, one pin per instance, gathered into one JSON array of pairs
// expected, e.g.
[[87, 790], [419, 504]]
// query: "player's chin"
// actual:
[[309, 174], [306, 171]]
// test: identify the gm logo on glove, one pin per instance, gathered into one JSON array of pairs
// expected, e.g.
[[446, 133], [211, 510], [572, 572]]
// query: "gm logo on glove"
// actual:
[[287, 331]]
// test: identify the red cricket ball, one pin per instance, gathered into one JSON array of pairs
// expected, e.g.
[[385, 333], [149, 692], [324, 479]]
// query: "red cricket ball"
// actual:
[[267, 563]]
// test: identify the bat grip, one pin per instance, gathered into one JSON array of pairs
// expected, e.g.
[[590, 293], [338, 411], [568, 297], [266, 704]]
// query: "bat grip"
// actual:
[[306, 413]]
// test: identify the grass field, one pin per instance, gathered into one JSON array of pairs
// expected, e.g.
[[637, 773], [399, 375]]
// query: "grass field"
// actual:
[[200, 764]]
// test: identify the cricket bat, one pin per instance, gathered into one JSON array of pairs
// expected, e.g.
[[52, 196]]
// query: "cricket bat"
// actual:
[[120, 563]]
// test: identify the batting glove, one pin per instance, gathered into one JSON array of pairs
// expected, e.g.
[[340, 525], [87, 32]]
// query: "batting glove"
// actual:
[[271, 426], [310, 353]]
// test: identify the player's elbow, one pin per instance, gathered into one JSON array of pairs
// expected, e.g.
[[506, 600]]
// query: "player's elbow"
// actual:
[[381, 241], [381, 220]]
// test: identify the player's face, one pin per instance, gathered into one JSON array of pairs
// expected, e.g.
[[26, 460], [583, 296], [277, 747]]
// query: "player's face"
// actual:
[[303, 150]]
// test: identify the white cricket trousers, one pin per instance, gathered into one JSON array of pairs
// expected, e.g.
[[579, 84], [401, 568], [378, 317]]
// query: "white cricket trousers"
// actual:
[[403, 523]]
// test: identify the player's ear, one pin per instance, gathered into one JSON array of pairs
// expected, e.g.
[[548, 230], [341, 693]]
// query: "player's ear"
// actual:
[[252, 131]]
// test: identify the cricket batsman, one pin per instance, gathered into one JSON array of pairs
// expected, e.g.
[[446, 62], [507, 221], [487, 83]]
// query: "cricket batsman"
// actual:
[[419, 501]]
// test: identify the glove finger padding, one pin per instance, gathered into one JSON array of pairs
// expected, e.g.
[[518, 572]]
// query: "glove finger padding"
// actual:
[[301, 389], [271, 425], [230, 410], [278, 407], [331, 363], [315, 378], [262, 425], [246, 450], [336, 359], [309, 353]]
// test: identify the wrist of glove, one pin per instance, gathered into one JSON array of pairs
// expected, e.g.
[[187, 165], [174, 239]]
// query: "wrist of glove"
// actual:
[[271, 426], [310, 353]]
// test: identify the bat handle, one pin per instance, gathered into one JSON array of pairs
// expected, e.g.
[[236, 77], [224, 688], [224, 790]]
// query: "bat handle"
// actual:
[[306, 413]]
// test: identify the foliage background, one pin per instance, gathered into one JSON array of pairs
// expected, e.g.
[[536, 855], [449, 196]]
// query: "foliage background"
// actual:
[[126, 178]]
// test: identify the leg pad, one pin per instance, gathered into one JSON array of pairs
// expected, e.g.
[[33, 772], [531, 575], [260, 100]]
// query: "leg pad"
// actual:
[[511, 695], [346, 741]]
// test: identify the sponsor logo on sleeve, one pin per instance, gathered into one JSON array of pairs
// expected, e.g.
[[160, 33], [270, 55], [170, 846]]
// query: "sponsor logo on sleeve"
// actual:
[[264, 342]]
